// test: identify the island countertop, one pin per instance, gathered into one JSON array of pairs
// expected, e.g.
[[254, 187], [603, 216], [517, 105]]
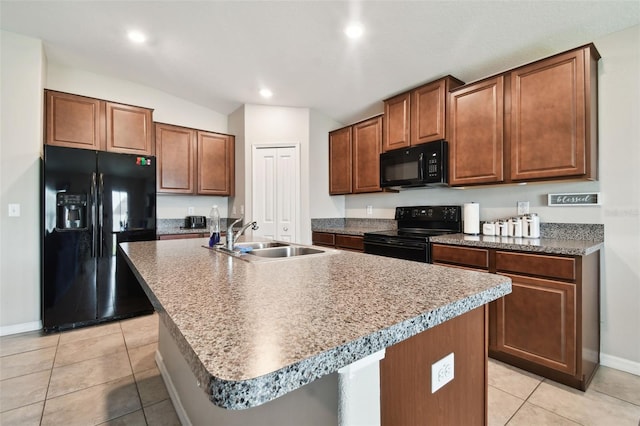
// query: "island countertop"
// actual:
[[254, 331]]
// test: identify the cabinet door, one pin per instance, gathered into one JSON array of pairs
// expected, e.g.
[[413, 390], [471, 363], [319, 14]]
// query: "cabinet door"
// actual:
[[340, 161], [476, 137], [367, 143], [74, 121], [428, 113], [176, 157], [537, 322], [216, 166], [548, 118], [129, 129], [397, 112]]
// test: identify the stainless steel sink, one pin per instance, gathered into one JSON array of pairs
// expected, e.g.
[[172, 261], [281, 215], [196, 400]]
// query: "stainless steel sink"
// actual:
[[260, 245], [287, 251]]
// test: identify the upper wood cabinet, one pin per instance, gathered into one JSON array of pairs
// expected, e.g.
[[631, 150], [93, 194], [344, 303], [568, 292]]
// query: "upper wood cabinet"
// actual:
[[176, 157], [367, 144], [476, 133], [81, 122], [216, 164], [554, 117], [340, 161], [417, 116], [354, 157], [536, 122], [73, 121], [191, 161], [129, 129]]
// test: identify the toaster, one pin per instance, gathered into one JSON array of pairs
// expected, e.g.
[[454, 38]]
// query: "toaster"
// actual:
[[195, 222]]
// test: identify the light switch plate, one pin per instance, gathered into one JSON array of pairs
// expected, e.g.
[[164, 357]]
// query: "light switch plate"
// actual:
[[14, 210], [442, 372]]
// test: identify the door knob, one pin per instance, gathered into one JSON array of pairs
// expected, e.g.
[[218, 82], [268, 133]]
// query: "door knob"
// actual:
[[285, 229]]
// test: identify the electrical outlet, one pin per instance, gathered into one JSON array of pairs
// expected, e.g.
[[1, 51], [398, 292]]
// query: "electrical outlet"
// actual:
[[242, 209], [191, 210], [442, 372], [14, 210], [369, 210], [523, 207]]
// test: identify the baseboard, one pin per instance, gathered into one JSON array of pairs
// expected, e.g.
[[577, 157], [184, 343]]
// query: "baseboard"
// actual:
[[173, 393], [7, 330], [620, 364]]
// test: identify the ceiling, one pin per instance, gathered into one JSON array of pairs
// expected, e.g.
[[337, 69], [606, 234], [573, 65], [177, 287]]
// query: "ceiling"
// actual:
[[219, 54]]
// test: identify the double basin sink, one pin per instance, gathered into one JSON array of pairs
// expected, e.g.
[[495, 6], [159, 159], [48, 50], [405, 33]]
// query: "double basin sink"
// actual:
[[269, 250]]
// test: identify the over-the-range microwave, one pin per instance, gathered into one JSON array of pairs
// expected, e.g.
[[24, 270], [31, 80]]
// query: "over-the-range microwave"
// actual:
[[421, 165]]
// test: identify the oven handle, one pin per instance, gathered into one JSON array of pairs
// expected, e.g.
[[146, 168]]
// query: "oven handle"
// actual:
[[398, 244]]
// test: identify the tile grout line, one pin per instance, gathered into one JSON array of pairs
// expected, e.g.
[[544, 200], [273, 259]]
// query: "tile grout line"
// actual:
[[135, 381], [46, 394]]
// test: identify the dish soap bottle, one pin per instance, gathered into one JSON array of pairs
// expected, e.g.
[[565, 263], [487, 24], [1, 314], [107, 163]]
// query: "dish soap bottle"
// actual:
[[214, 226]]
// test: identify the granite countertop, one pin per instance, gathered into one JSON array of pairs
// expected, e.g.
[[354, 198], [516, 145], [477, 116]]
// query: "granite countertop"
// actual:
[[254, 331], [534, 245]]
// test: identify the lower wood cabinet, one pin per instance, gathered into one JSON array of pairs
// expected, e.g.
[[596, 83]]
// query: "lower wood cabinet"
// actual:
[[183, 236], [550, 323], [339, 241], [405, 375]]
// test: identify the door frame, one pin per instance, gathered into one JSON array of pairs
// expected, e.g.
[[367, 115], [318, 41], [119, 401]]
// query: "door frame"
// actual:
[[298, 198]]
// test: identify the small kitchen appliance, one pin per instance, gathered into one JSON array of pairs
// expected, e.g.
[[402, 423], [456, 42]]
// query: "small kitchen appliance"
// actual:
[[421, 165], [411, 241], [195, 222]]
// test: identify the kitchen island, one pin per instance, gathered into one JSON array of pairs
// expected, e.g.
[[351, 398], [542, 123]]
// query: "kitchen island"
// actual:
[[250, 333]]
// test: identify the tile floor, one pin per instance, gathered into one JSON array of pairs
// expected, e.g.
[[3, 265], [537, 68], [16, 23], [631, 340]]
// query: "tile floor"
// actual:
[[106, 375]]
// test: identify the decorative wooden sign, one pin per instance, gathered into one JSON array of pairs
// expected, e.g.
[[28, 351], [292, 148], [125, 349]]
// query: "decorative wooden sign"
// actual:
[[576, 199]]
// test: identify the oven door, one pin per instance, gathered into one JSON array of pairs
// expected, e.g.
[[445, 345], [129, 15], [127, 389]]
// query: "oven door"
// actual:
[[398, 248]]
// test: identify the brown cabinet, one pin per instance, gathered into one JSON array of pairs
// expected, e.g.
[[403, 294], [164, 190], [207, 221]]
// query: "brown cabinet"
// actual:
[[191, 161], [176, 157], [535, 122], [129, 129], [340, 241], [183, 236], [476, 133], [417, 116], [216, 164], [554, 117], [549, 324], [354, 157], [81, 122]]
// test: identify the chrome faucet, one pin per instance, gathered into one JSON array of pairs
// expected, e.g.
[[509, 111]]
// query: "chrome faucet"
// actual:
[[231, 238]]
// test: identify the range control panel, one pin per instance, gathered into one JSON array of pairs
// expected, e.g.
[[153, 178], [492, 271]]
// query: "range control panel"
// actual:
[[429, 213]]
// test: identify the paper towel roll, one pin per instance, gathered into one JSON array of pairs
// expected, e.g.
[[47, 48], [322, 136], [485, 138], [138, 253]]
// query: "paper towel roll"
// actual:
[[471, 218]]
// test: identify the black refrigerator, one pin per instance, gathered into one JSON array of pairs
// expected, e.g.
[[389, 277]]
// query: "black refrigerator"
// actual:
[[92, 201]]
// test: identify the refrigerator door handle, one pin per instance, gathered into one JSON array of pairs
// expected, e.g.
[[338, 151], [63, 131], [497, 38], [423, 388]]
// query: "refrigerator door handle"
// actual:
[[100, 213], [94, 230]]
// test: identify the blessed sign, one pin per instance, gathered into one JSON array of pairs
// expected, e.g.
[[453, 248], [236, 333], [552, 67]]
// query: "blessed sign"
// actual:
[[579, 199]]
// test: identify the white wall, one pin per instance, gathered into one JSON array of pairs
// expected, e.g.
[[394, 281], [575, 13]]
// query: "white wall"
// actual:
[[167, 109], [619, 184], [21, 105], [321, 204]]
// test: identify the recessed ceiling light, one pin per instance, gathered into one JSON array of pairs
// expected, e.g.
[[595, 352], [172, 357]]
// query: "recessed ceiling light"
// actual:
[[266, 93], [137, 36], [354, 30]]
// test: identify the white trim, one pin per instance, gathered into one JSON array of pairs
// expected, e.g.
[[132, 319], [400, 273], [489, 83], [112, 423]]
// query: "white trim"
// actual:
[[173, 393], [6, 330], [621, 364]]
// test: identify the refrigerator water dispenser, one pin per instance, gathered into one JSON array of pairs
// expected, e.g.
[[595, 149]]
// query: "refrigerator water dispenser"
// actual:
[[71, 211]]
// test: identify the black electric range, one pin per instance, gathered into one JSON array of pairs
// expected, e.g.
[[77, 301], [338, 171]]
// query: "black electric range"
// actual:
[[411, 241]]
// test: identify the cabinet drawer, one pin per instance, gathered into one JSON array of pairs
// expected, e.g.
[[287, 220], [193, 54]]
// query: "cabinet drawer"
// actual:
[[323, 238], [533, 264], [472, 257], [350, 242]]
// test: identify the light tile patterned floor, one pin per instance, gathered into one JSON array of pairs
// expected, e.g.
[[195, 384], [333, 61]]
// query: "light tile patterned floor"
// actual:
[[106, 375]]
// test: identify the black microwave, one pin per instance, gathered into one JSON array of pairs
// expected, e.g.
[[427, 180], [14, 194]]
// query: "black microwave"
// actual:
[[421, 165]]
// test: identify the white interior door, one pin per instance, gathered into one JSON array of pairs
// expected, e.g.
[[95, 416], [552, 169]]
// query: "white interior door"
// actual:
[[275, 188]]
